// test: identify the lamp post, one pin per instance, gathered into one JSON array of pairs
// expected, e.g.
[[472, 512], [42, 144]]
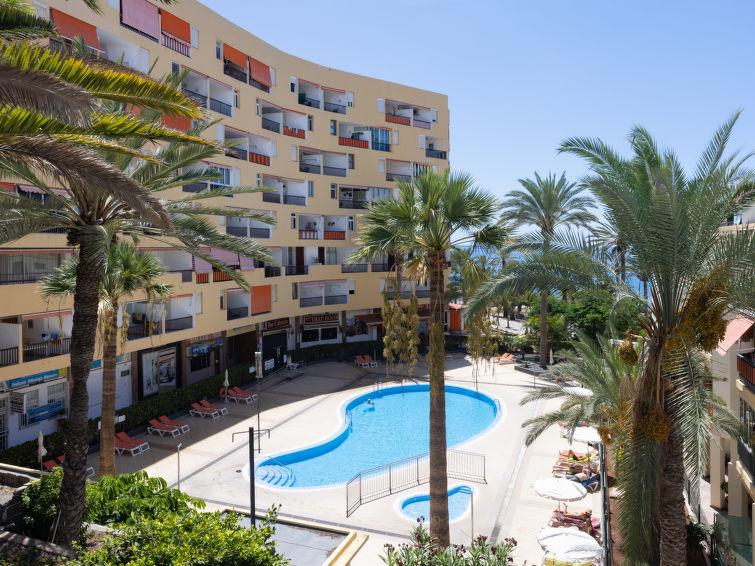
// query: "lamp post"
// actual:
[[252, 503], [178, 463], [258, 371]]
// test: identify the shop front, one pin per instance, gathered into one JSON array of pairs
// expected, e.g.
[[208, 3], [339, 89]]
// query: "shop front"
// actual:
[[275, 345], [122, 385], [320, 329], [364, 325], [159, 370], [204, 357], [241, 346]]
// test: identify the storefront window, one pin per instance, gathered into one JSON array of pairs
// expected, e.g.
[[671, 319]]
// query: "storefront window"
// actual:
[[201, 361], [158, 370], [328, 333], [310, 335]]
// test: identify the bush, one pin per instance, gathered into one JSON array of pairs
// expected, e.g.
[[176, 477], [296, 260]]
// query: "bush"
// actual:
[[206, 539], [425, 552], [39, 505]]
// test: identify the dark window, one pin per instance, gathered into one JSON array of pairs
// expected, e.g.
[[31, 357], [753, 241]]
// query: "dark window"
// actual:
[[351, 161], [294, 291], [310, 121], [293, 86], [293, 221], [236, 98], [200, 362], [328, 333], [310, 335], [174, 68], [333, 190], [218, 49], [310, 188], [332, 127]]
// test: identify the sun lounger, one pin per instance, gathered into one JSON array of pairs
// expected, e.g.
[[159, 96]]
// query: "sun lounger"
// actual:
[[143, 444], [580, 456], [235, 396], [198, 411], [207, 405], [241, 392], [52, 464], [183, 427], [121, 447], [156, 427], [362, 362], [369, 360]]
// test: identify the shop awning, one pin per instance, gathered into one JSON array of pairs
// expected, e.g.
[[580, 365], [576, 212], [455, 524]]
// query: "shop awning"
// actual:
[[260, 72], [71, 28], [201, 266], [370, 319], [175, 26], [234, 55], [142, 16], [309, 83], [734, 331], [338, 90], [33, 189]]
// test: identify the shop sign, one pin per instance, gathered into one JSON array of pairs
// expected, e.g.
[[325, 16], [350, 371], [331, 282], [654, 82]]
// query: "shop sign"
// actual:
[[269, 364], [320, 318], [277, 323], [37, 378], [205, 347], [44, 412], [17, 402], [206, 337]]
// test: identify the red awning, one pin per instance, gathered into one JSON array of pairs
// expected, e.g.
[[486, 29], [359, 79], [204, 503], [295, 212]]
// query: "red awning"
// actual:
[[734, 331], [309, 83], [338, 90], [260, 72], [453, 307], [46, 315], [142, 16], [175, 26], [71, 28], [33, 189], [234, 55]]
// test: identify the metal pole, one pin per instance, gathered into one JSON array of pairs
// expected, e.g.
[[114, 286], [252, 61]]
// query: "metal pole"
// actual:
[[258, 371], [252, 503], [471, 502], [178, 463]]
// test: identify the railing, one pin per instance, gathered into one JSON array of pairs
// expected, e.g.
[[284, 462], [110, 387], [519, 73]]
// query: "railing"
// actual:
[[334, 171], [259, 85], [54, 231], [398, 177], [382, 481], [237, 312], [310, 301], [259, 158], [352, 142], [173, 324], [295, 199], [47, 349], [422, 293], [232, 71], [218, 276], [237, 231], [221, 107], [605, 519], [435, 153], [272, 271], [746, 368], [186, 274], [8, 356], [236, 152], [20, 278], [333, 107], [176, 45], [334, 235], [381, 267], [396, 119], [336, 299], [309, 168], [306, 101], [200, 99], [259, 232], [136, 331], [347, 203], [271, 197], [354, 267], [294, 132], [732, 539], [380, 146], [195, 187], [297, 269], [271, 125], [422, 124], [745, 455], [308, 235]]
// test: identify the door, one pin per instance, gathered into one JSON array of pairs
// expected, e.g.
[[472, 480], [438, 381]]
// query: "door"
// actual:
[[321, 255], [299, 256]]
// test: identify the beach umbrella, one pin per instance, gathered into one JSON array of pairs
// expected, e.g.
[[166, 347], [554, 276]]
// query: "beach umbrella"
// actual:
[[41, 450], [551, 357], [559, 489], [581, 391], [569, 544], [587, 434], [226, 385]]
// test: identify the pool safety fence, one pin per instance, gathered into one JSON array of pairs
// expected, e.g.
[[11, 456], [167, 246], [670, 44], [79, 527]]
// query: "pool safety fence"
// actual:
[[388, 479]]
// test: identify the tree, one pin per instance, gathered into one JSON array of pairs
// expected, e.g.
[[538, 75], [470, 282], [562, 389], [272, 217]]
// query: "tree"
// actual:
[[435, 214], [127, 272], [548, 204]]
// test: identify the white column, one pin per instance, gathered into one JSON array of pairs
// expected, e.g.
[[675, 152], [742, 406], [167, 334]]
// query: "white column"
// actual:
[[717, 473], [737, 499]]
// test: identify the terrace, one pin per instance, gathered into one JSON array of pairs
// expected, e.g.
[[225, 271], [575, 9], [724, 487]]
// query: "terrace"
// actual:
[[353, 135], [239, 143], [309, 94], [335, 164], [46, 335], [310, 161], [272, 117], [179, 313], [221, 98], [260, 149], [144, 319], [353, 197], [195, 87], [398, 170], [436, 148], [238, 304], [335, 100]]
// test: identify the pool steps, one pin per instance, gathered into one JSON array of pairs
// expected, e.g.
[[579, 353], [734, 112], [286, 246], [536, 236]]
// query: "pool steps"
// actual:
[[276, 475]]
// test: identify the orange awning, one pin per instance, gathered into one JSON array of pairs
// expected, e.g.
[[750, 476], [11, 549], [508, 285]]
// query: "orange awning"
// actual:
[[260, 72], [234, 55], [734, 331], [71, 28], [175, 26]]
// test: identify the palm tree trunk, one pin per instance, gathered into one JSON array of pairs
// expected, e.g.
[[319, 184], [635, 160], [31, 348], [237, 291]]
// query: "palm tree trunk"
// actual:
[[107, 421], [83, 336], [623, 264], [438, 466], [671, 511], [543, 329]]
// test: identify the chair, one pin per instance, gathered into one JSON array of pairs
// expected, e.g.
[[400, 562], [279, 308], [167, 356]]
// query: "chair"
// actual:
[[198, 411], [183, 427], [241, 393], [143, 445], [62, 458], [235, 396], [121, 447], [360, 361], [156, 427], [369, 360], [207, 405]]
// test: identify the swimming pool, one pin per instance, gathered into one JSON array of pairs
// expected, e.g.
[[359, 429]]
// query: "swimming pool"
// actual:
[[380, 427], [419, 505]]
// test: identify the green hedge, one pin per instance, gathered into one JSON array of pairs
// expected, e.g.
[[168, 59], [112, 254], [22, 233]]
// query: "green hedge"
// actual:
[[335, 351]]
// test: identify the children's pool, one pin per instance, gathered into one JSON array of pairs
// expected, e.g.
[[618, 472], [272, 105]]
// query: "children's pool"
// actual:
[[380, 427], [419, 505]]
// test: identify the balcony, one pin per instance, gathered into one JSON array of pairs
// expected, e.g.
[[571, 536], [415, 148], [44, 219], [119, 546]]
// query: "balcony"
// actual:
[[380, 146], [334, 235], [233, 71], [195, 187], [310, 301], [238, 312], [176, 45], [310, 168], [294, 132], [304, 100], [731, 540], [436, 154], [745, 455], [200, 99], [49, 349], [398, 177], [354, 267], [271, 197], [353, 142], [297, 270], [295, 200], [334, 171], [746, 369], [21, 278], [271, 125], [221, 107], [136, 331], [8, 356], [309, 235], [333, 107], [259, 158], [336, 299], [422, 293], [350, 203], [236, 231], [396, 119], [272, 271], [381, 267], [186, 274], [424, 124], [259, 232], [236, 153], [175, 324]]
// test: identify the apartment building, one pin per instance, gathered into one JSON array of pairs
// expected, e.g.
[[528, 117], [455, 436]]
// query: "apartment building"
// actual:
[[326, 142]]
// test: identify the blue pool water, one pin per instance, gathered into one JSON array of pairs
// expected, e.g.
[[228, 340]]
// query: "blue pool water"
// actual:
[[419, 505], [381, 427]]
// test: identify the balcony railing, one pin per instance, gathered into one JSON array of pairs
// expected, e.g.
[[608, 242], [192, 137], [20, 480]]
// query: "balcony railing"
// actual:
[[218, 276], [271, 125], [294, 132], [422, 293], [304, 100], [259, 232], [237, 231], [354, 267], [381, 267], [380, 146], [221, 107], [182, 323], [309, 168], [8, 356], [271, 197], [48, 349], [350, 203], [259, 85], [136, 331], [186, 274], [353, 142], [259, 158], [21, 278], [200, 99], [436, 154], [745, 455], [236, 152], [297, 269], [336, 299], [310, 301], [333, 107], [295, 199], [309, 235], [238, 312], [334, 171], [54, 231], [235, 72], [422, 124], [272, 271], [398, 177], [334, 235], [195, 187], [396, 119], [176, 45], [746, 368]]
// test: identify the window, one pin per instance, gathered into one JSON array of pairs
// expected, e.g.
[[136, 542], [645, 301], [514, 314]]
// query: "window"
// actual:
[[332, 127], [377, 193], [293, 221], [197, 303], [333, 191], [175, 68], [257, 106], [329, 333], [350, 97], [421, 141], [58, 392], [272, 76], [258, 179], [381, 165], [293, 84], [311, 335], [31, 402], [225, 176], [381, 139], [235, 98], [351, 223], [143, 60], [310, 188], [222, 299], [381, 105], [310, 121], [41, 10], [395, 137], [274, 148], [351, 161], [435, 115], [195, 37], [294, 291], [218, 50], [200, 362]]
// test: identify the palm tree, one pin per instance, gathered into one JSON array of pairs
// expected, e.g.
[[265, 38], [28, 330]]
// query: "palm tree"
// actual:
[[432, 216], [128, 272], [548, 204]]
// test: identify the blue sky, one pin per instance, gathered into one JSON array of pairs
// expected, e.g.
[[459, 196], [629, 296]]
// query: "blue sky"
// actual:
[[522, 76]]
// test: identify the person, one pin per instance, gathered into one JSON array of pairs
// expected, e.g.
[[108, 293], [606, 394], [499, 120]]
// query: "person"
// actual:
[[583, 477], [583, 521], [369, 402]]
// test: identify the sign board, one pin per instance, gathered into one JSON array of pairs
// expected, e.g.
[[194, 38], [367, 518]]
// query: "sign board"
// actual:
[[205, 337], [44, 412], [320, 318], [269, 364], [277, 324], [17, 402], [37, 378], [205, 347]]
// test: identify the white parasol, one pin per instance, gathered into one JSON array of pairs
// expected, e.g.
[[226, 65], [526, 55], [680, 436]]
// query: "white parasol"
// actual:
[[581, 391], [569, 544], [41, 450], [559, 489], [226, 385], [587, 434], [551, 357]]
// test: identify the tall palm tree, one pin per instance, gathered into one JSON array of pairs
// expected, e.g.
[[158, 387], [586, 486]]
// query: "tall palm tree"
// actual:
[[548, 204], [128, 272], [435, 214], [670, 219]]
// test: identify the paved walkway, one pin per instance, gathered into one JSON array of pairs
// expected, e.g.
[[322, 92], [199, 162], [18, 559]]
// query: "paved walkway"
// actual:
[[304, 410]]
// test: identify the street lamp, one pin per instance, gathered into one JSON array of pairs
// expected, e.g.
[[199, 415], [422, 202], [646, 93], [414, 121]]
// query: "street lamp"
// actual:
[[258, 371], [178, 462], [252, 503]]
